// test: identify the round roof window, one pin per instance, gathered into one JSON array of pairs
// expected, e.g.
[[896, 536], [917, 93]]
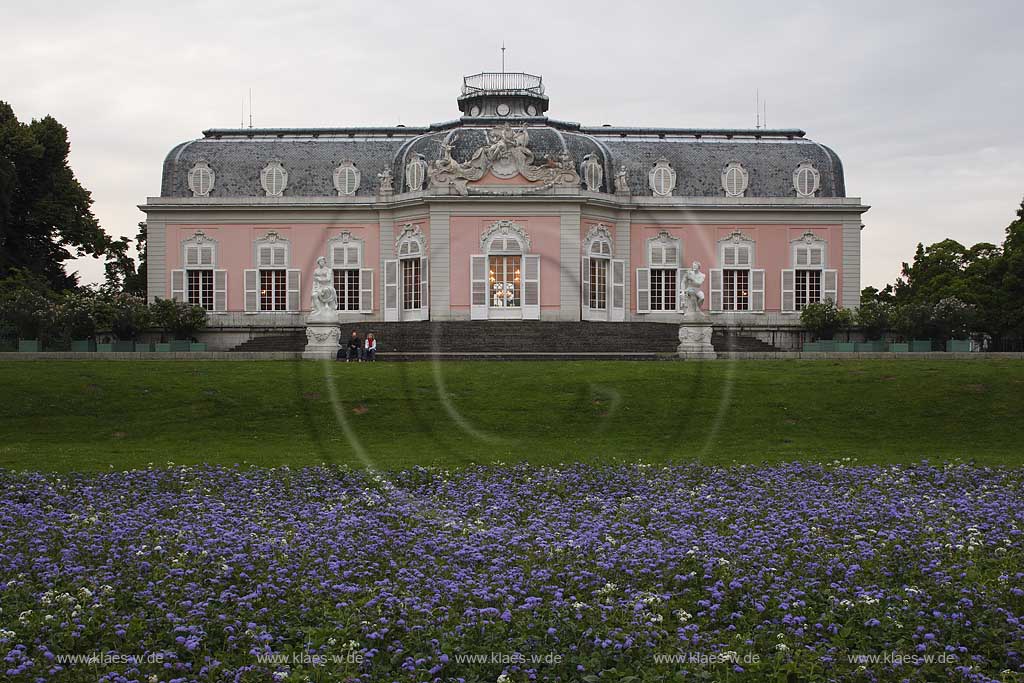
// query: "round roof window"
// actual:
[[503, 109]]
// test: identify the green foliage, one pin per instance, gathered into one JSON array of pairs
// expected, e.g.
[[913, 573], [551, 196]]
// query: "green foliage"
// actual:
[[953, 291], [123, 315], [180, 319], [824, 319], [26, 305], [874, 317], [45, 214]]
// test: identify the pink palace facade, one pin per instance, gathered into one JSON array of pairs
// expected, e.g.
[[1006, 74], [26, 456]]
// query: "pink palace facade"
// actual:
[[502, 214]]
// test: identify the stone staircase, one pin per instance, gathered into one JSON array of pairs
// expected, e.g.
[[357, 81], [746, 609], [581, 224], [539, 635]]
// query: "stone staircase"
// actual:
[[730, 342], [507, 340]]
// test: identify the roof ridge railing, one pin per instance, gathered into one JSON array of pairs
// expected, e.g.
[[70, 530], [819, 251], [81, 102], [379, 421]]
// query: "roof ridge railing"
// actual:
[[502, 81]]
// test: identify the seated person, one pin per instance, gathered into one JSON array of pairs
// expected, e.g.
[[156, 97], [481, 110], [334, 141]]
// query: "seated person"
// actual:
[[370, 348], [354, 348]]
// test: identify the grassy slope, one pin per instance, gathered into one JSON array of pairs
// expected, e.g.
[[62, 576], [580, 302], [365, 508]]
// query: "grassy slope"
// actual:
[[90, 415]]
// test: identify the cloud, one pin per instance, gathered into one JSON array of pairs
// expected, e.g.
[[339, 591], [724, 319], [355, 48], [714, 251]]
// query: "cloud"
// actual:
[[922, 102]]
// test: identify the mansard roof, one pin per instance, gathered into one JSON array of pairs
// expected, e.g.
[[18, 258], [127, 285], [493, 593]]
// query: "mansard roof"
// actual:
[[310, 155]]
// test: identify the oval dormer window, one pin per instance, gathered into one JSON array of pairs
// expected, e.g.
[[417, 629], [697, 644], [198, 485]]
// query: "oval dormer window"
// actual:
[[475, 111], [531, 110], [734, 180], [662, 179], [806, 180], [200, 179], [503, 109], [274, 179], [346, 179]]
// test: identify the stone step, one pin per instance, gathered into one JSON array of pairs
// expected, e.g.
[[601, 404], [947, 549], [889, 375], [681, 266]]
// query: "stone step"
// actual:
[[516, 338]]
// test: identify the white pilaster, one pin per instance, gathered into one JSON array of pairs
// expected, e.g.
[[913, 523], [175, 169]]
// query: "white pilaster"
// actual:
[[569, 268], [440, 264]]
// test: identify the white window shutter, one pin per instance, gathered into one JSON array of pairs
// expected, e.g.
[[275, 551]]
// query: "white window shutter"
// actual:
[[830, 285], [252, 289], [192, 256], [478, 287], [743, 256], [680, 299], [817, 256], [391, 293], [671, 256], [802, 256], [585, 287], [617, 307], [757, 290], [715, 288], [366, 290], [657, 256], [425, 287], [220, 290], [531, 287], [294, 282], [280, 256], [729, 256], [178, 292], [643, 290], [206, 256], [352, 259], [788, 290]]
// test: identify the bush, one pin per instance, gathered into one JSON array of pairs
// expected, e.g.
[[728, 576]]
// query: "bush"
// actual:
[[77, 312], [178, 318], [913, 321], [874, 318], [824, 319], [26, 306], [124, 315]]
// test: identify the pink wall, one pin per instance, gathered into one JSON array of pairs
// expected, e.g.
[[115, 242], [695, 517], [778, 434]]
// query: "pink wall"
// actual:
[[771, 250], [235, 251], [544, 239]]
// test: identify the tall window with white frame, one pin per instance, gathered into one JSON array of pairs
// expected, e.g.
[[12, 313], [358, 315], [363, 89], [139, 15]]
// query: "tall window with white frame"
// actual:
[[736, 285], [272, 286], [809, 281], [353, 283], [663, 257], [602, 277], [505, 278], [199, 282], [406, 278]]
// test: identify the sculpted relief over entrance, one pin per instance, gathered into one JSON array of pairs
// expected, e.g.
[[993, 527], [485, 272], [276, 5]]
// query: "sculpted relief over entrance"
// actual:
[[506, 155]]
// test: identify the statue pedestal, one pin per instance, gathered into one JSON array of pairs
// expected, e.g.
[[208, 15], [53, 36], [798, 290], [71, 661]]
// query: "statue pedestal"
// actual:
[[695, 338], [323, 339]]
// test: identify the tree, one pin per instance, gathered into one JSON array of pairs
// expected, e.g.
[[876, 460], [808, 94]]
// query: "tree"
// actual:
[[824, 319], [45, 214]]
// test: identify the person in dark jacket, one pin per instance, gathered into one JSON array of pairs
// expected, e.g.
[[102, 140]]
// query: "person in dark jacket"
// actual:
[[354, 348]]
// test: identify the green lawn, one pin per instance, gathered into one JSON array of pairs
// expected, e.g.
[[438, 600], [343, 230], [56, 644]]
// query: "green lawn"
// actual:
[[91, 415]]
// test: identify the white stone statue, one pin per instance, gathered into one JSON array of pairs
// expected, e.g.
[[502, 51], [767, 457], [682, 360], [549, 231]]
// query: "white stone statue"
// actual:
[[325, 299], [621, 181], [693, 295], [386, 182]]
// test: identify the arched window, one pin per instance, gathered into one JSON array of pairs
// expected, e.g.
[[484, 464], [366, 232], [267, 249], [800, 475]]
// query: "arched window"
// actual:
[[406, 278], [602, 278], [505, 278]]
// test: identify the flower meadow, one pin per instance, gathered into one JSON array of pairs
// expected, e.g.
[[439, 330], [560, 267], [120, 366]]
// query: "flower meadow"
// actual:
[[798, 572]]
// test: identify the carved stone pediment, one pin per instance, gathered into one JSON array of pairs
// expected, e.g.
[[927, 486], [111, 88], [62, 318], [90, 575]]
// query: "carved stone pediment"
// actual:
[[505, 155]]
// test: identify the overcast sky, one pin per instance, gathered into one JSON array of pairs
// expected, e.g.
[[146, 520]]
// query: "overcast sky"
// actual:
[[924, 105]]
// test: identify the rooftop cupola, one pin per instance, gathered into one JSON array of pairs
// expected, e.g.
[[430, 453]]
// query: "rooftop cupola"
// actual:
[[503, 95]]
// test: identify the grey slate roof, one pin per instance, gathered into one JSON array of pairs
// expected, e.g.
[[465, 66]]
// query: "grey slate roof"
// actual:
[[310, 156]]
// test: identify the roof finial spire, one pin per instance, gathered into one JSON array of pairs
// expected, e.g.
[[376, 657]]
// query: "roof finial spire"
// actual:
[[503, 56]]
